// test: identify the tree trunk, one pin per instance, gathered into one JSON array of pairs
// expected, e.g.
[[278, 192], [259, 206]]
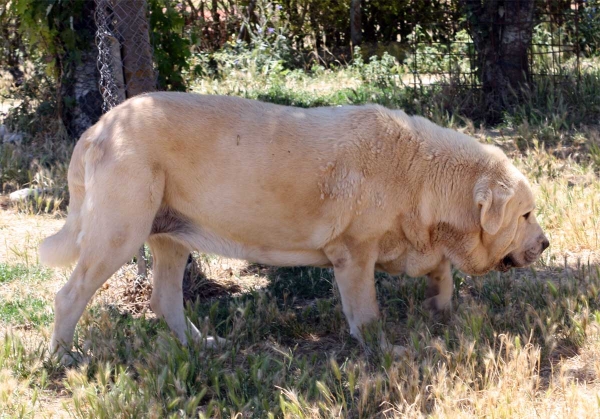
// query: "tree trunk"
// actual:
[[12, 46], [133, 29], [501, 32], [88, 100], [216, 18], [80, 79], [355, 23], [244, 34], [314, 23]]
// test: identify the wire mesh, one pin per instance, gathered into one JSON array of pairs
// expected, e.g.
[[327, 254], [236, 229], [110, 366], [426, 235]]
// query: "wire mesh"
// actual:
[[441, 49], [100, 54], [124, 50], [454, 58]]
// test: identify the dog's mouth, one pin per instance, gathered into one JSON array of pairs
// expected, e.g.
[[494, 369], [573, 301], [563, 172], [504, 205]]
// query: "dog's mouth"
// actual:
[[506, 263]]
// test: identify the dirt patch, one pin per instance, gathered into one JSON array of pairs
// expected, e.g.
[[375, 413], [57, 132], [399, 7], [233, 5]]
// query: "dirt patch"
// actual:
[[21, 234], [131, 293]]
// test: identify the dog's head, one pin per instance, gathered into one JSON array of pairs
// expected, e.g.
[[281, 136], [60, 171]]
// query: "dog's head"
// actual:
[[509, 234]]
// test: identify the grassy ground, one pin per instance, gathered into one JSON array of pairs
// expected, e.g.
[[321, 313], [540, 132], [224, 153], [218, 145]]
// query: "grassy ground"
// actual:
[[521, 344]]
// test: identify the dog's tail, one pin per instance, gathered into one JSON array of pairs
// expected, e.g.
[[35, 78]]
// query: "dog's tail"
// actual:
[[62, 248]]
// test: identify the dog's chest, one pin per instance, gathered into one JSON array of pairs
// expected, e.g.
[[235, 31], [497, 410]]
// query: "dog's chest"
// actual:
[[398, 256]]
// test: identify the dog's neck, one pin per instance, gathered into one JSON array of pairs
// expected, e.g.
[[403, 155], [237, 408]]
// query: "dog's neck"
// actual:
[[445, 218]]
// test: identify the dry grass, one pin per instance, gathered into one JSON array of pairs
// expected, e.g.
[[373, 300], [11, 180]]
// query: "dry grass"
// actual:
[[21, 234], [244, 83]]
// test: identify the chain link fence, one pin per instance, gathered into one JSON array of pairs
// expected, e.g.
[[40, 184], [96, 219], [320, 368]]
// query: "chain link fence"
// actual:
[[101, 55], [124, 50], [442, 49]]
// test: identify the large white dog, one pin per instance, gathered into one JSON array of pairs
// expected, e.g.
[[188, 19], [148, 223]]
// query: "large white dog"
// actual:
[[357, 188]]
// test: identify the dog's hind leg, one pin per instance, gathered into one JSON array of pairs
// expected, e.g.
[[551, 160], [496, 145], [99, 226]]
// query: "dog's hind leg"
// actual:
[[170, 258], [115, 222], [101, 255]]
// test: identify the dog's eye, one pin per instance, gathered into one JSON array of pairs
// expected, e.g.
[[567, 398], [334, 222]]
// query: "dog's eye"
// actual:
[[527, 215]]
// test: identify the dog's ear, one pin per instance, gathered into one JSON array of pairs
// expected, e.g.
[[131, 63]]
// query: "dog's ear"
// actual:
[[492, 197]]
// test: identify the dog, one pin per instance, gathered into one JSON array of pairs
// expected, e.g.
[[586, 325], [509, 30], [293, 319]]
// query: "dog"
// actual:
[[356, 188]]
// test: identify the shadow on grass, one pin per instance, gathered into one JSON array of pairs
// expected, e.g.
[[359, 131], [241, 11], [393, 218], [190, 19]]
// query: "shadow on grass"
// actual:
[[301, 304], [300, 307], [292, 335]]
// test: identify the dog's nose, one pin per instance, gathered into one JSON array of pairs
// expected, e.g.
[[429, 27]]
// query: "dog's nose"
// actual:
[[545, 244]]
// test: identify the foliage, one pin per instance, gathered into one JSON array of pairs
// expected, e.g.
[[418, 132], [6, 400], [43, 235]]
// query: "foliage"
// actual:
[[380, 72], [388, 21], [49, 29], [36, 107], [320, 29], [267, 51], [589, 28], [53, 39], [171, 47], [428, 58]]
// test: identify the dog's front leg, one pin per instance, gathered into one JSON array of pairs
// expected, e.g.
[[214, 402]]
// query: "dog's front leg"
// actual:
[[354, 269], [439, 287]]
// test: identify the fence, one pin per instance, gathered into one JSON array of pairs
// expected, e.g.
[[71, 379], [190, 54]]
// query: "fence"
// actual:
[[444, 47], [100, 55], [435, 42], [124, 50], [553, 49]]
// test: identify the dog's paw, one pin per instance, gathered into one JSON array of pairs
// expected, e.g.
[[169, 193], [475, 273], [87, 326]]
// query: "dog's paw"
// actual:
[[433, 305], [214, 341], [66, 358], [430, 304], [203, 339], [397, 351]]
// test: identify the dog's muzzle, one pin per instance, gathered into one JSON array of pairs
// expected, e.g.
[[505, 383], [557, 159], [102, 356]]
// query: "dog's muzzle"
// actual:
[[506, 263], [529, 257]]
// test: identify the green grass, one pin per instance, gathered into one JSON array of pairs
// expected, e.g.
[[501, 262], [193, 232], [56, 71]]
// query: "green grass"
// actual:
[[21, 272], [26, 310], [25, 306], [561, 105]]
